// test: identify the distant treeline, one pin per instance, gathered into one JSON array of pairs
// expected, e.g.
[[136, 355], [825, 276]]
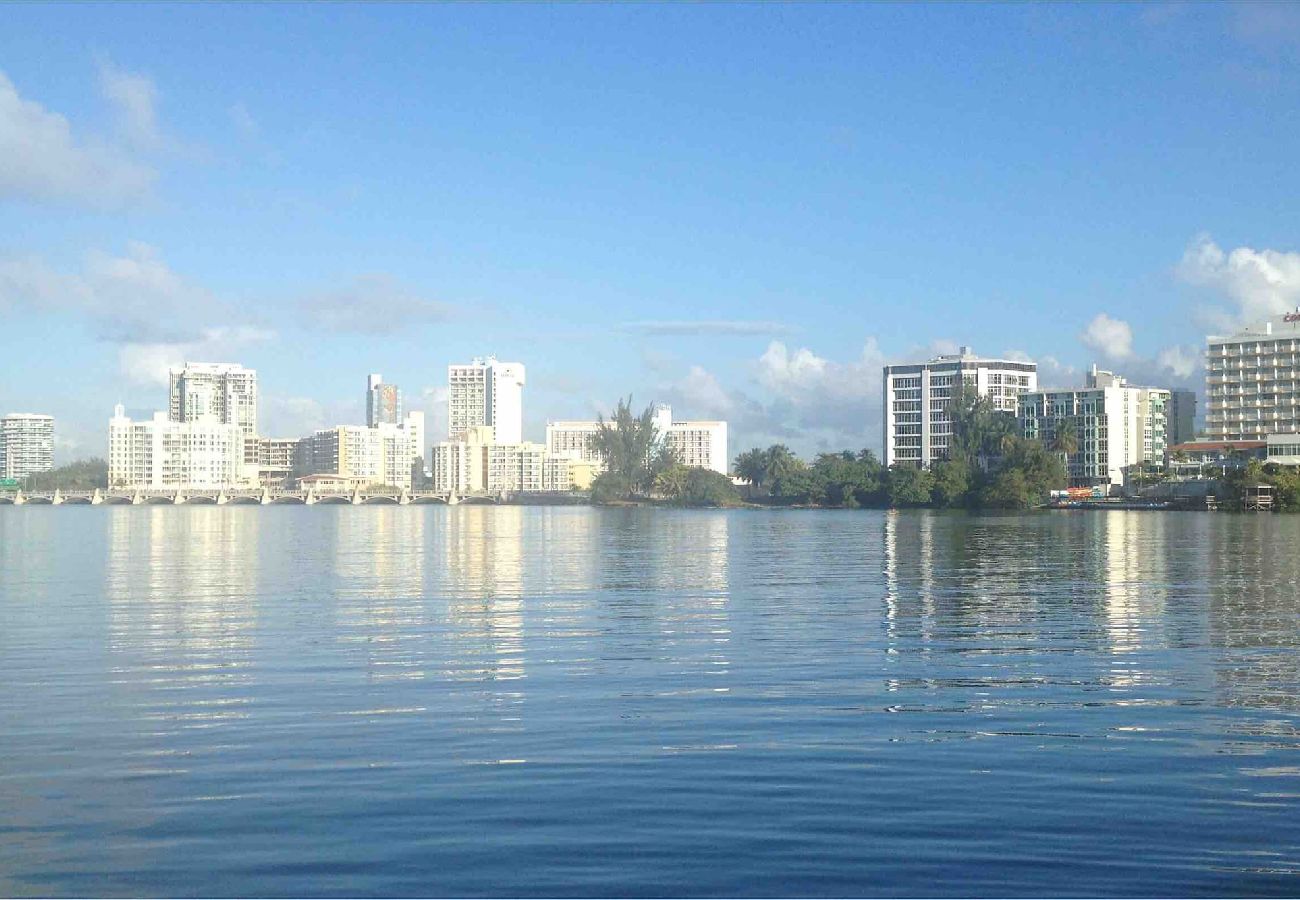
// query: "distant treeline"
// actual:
[[988, 466], [82, 475]]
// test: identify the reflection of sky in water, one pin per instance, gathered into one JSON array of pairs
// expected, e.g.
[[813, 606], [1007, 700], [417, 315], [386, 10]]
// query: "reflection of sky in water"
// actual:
[[561, 700]]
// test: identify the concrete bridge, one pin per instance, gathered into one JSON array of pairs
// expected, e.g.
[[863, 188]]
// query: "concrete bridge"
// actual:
[[248, 496]]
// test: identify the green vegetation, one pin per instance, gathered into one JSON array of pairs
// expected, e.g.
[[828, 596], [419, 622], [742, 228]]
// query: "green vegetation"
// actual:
[[1285, 481], [693, 486], [989, 466], [83, 475], [628, 446]]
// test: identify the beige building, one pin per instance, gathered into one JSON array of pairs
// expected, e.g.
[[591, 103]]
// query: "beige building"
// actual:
[[384, 454]]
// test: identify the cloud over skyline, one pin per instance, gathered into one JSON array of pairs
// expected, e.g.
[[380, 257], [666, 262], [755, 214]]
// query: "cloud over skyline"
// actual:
[[42, 160]]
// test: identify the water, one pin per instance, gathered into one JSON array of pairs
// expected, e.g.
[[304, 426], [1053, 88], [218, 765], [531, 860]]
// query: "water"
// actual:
[[530, 701]]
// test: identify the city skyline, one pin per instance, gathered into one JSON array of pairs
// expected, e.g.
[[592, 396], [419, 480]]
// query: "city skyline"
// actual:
[[620, 208]]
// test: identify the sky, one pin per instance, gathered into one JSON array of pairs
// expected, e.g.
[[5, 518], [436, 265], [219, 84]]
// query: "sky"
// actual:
[[743, 210]]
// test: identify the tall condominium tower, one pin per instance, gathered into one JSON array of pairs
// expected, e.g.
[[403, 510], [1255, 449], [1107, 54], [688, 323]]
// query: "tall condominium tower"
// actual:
[[227, 391], [383, 402], [918, 419], [1252, 381], [26, 444], [486, 392]]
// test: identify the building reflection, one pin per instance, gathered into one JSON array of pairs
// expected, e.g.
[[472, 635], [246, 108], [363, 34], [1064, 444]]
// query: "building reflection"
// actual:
[[379, 556], [483, 550], [1254, 617], [181, 585]]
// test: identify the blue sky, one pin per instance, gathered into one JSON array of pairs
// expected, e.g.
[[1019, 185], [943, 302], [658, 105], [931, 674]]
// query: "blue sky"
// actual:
[[742, 209]]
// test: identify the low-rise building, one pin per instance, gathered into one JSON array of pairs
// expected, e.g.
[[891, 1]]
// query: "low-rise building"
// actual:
[[1204, 458]]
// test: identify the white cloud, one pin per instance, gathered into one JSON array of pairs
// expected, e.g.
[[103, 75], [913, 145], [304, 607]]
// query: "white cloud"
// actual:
[[433, 401], [1258, 283], [1052, 373], [803, 375], [1112, 338], [149, 363], [703, 396], [134, 100], [41, 159], [1181, 362], [371, 304]]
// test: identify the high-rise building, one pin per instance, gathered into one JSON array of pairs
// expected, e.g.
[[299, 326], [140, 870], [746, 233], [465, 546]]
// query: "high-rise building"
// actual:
[[1181, 417], [26, 444], [701, 444], [383, 402], [486, 392], [225, 391], [918, 400], [1252, 381], [1116, 426], [159, 453]]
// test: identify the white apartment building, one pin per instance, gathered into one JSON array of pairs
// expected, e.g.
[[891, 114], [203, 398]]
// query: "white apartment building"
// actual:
[[476, 465], [26, 444], [486, 392], [918, 399], [383, 455], [160, 453], [1116, 426], [1252, 381], [225, 391], [701, 444]]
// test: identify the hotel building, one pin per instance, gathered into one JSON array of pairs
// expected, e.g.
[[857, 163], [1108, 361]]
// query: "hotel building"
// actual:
[[700, 444], [918, 400], [26, 444], [486, 392], [382, 455], [1252, 381]]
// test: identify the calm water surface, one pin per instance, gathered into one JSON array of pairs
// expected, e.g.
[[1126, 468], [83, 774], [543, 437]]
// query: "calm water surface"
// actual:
[[564, 701]]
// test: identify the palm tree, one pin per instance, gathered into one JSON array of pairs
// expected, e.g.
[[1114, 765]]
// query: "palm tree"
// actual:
[[752, 466], [672, 482], [1065, 441], [780, 462]]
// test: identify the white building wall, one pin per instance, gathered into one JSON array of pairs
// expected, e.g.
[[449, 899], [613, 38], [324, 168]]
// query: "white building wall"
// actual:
[[26, 444], [162, 454], [1252, 381], [917, 400], [486, 392]]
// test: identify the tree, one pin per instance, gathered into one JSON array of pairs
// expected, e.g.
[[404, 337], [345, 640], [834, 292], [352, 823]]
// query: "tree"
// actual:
[[800, 486], [950, 482], [848, 479], [672, 481], [629, 447], [779, 462], [752, 466], [907, 486], [705, 487], [82, 475]]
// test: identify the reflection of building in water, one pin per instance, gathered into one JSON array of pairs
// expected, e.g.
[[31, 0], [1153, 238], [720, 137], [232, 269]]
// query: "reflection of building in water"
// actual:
[[1254, 610], [483, 549], [180, 584], [909, 577], [378, 555], [1135, 575]]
